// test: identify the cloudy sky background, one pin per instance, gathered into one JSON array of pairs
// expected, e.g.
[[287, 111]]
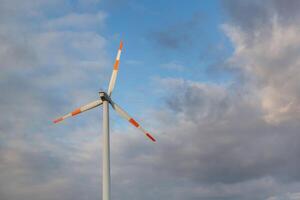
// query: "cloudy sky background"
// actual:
[[216, 82]]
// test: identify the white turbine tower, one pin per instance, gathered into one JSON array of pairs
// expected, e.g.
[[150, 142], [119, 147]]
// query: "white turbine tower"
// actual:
[[105, 99]]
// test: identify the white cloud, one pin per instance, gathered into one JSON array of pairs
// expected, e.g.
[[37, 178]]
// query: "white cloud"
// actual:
[[271, 61], [174, 66], [75, 21]]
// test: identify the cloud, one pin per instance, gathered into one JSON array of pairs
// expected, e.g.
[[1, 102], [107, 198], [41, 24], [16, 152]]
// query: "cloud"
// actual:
[[173, 65], [179, 35], [256, 16], [76, 21], [239, 140], [289, 196], [13, 47], [40, 66], [271, 58], [232, 141], [18, 9], [213, 144], [38, 166]]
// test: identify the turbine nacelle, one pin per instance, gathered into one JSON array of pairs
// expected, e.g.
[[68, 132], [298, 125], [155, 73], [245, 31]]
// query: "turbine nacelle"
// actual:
[[104, 96]]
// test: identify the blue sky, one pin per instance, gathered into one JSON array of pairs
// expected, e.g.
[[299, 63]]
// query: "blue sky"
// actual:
[[216, 82]]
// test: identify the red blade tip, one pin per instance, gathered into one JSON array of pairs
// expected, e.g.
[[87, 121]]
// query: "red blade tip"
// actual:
[[58, 120], [121, 45], [151, 137]]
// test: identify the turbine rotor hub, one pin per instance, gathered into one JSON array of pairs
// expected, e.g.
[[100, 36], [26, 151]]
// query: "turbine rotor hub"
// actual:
[[104, 96]]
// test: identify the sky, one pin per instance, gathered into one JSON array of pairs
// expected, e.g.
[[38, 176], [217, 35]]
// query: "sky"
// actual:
[[215, 82]]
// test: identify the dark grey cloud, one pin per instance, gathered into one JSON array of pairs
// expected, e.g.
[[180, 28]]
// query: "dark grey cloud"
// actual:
[[179, 35], [170, 38], [14, 47], [230, 139], [248, 14], [257, 16], [215, 142]]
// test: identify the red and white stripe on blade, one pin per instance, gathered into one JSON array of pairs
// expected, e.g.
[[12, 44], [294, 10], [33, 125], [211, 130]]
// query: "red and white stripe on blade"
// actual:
[[115, 71], [79, 110], [124, 114]]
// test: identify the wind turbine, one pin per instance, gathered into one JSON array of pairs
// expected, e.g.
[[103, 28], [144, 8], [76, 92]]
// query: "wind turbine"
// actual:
[[105, 99]]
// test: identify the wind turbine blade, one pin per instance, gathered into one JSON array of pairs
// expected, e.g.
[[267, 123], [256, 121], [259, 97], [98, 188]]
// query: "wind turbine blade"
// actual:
[[115, 71], [126, 116], [79, 110]]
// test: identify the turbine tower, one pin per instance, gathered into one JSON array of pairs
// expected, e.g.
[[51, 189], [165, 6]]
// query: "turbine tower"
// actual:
[[105, 100]]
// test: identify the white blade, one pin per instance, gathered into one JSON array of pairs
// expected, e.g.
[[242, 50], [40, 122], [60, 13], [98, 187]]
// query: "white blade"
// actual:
[[115, 71], [124, 114], [79, 110]]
